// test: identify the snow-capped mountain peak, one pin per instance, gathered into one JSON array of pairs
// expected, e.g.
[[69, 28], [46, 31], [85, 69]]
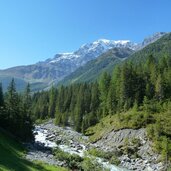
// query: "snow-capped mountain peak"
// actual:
[[102, 45], [110, 43], [64, 56], [106, 41], [122, 42], [92, 50]]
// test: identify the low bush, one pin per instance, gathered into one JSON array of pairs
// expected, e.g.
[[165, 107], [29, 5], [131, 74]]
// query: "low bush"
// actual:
[[72, 161]]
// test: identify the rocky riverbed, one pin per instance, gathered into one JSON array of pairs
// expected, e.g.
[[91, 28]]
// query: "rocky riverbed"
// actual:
[[49, 136]]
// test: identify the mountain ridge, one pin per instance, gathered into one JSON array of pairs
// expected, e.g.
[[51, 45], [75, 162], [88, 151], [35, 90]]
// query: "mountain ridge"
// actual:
[[55, 69], [85, 73]]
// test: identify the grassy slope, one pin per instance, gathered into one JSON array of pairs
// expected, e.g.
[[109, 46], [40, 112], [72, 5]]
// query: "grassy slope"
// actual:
[[132, 119], [12, 157], [110, 123]]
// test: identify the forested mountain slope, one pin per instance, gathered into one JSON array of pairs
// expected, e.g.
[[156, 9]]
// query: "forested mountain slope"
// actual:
[[107, 61], [160, 48]]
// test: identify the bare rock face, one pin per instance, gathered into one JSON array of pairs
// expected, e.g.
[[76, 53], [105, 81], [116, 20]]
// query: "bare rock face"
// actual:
[[150, 40], [135, 149], [117, 138]]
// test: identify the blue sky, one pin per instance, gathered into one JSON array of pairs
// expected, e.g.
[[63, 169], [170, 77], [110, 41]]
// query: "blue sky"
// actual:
[[34, 30]]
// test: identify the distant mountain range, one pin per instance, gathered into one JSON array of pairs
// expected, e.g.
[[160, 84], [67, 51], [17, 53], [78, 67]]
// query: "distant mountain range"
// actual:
[[90, 60]]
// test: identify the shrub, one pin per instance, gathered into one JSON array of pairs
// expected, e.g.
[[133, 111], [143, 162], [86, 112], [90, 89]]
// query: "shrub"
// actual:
[[72, 160], [114, 160], [90, 164]]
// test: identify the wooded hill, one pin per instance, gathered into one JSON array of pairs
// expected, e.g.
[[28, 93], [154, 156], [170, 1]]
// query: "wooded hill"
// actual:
[[141, 86]]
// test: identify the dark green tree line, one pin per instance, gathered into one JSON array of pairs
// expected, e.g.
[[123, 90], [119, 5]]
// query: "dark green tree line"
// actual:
[[15, 112], [83, 105]]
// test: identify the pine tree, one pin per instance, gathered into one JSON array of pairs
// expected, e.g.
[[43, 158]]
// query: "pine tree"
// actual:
[[52, 102], [27, 123], [152, 72], [104, 84], [127, 79], [79, 109], [94, 97], [60, 106], [111, 100], [159, 88], [27, 99], [12, 102], [18, 115]]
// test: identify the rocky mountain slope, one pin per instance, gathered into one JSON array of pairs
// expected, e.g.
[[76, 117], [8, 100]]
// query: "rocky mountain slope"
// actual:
[[150, 39], [94, 68], [107, 61]]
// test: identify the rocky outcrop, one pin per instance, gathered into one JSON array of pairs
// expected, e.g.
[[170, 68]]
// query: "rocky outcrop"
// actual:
[[134, 147], [117, 138]]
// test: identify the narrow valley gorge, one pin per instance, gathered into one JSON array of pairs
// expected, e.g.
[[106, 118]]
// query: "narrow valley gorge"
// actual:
[[49, 136]]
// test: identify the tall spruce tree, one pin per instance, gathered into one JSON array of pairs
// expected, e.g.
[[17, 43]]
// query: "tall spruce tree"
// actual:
[[27, 123], [52, 102], [12, 104], [79, 109], [104, 85]]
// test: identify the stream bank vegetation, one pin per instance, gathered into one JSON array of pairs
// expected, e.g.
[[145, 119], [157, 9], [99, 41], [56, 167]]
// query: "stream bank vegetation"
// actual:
[[109, 156], [75, 162]]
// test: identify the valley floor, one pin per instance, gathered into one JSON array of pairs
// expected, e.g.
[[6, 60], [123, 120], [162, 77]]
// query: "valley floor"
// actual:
[[68, 140], [47, 136], [72, 142]]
